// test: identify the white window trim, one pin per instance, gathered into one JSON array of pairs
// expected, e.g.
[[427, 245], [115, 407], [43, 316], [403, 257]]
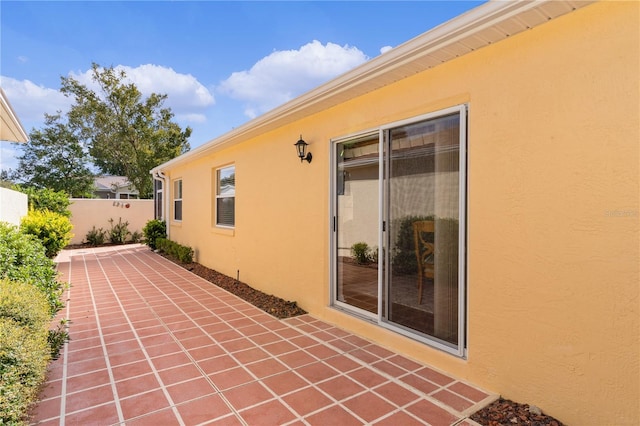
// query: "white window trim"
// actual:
[[218, 197], [177, 199]]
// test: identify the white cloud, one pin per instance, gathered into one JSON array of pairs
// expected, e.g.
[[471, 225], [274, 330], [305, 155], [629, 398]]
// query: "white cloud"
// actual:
[[31, 101], [279, 77], [385, 49], [185, 94], [23, 59], [187, 97]]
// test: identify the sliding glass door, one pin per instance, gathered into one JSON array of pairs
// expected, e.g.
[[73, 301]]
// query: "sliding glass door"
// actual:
[[399, 227], [356, 222]]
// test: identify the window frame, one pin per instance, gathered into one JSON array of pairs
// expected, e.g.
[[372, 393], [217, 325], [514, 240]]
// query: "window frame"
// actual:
[[177, 183], [219, 196]]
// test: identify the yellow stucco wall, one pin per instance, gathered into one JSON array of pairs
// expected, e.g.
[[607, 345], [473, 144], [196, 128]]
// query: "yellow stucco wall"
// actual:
[[553, 212]]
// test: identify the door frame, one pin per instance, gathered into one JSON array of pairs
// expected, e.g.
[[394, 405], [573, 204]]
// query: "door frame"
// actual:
[[460, 349]]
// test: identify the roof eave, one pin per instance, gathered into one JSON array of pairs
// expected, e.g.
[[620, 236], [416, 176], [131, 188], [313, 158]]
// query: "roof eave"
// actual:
[[358, 80]]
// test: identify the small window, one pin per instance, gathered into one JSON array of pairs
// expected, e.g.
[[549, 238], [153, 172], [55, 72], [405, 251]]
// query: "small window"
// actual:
[[158, 200], [177, 199], [226, 196]]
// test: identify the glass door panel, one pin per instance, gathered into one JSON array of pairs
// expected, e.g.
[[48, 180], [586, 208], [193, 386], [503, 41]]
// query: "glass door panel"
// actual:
[[356, 224], [423, 212]]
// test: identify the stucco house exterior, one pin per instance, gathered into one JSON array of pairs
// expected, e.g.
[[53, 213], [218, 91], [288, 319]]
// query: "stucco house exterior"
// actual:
[[505, 142]]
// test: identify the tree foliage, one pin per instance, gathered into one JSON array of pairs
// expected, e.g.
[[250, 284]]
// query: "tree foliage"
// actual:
[[126, 134], [54, 158], [47, 199]]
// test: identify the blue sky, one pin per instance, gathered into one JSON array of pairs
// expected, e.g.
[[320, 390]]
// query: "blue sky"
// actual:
[[220, 63]]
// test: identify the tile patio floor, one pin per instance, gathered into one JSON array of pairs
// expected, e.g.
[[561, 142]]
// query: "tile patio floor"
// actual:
[[153, 344]]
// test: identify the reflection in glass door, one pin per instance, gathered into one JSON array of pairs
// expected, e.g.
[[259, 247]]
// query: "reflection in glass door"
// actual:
[[410, 200], [356, 223], [423, 205]]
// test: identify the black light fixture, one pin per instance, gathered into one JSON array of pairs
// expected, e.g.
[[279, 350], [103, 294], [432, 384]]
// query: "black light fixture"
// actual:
[[301, 147]]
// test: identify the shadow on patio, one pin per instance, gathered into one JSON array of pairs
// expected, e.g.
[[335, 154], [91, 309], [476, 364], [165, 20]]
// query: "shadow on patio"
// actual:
[[152, 343]]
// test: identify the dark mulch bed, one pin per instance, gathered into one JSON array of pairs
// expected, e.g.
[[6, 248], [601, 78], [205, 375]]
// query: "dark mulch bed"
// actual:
[[273, 305], [505, 412]]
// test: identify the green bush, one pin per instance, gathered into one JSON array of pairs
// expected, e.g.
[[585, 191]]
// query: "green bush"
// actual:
[[153, 230], [53, 229], [361, 252], [96, 236], [48, 199], [119, 232], [23, 258], [24, 348], [136, 237], [183, 253]]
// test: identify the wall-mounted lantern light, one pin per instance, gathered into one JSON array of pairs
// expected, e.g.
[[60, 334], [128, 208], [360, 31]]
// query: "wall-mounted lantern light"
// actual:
[[301, 147]]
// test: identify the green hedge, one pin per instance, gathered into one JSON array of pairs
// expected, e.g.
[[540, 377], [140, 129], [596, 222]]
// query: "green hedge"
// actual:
[[182, 253], [53, 229], [24, 348], [22, 258]]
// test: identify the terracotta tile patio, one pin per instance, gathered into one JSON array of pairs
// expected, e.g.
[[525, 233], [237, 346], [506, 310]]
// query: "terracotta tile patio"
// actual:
[[153, 344]]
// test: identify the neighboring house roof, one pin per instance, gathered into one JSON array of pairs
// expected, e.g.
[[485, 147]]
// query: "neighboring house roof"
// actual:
[[10, 127], [110, 183], [480, 27]]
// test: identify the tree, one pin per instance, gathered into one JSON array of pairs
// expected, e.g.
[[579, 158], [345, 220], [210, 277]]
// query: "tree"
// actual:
[[54, 158], [126, 135]]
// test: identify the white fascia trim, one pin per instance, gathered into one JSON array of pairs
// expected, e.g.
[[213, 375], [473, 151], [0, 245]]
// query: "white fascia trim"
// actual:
[[13, 117], [465, 25]]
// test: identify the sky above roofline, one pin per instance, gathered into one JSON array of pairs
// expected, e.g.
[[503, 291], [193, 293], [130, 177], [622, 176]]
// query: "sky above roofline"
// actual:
[[220, 63]]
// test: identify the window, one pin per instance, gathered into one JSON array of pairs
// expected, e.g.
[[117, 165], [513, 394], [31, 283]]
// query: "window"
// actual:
[[158, 199], [177, 199], [226, 196]]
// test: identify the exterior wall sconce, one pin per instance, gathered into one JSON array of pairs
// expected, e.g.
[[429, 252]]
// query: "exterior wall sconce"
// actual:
[[301, 147]]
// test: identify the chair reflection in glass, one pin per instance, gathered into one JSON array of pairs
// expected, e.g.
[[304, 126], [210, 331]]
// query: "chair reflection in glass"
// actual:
[[423, 238]]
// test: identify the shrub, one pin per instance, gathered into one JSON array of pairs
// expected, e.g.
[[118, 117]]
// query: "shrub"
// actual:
[[22, 258], [361, 252], [48, 199], [136, 237], [53, 229], [153, 230], [96, 237], [119, 232], [183, 253], [24, 350]]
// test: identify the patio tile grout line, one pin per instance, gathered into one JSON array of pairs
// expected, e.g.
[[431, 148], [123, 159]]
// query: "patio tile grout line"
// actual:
[[65, 354], [103, 344], [339, 351], [275, 396], [307, 325], [148, 358], [395, 380], [387, 358], [428, 396], [270, 356], [185, 350]]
